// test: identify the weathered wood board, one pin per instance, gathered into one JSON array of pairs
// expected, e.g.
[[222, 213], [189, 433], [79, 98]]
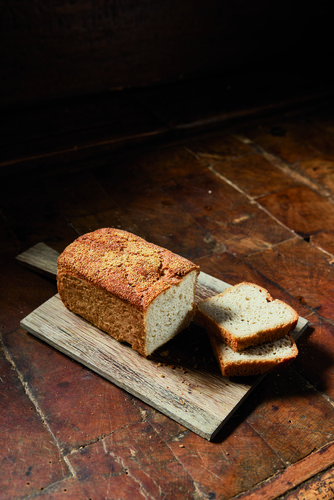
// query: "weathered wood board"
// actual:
[[40, 257], [185, 389]]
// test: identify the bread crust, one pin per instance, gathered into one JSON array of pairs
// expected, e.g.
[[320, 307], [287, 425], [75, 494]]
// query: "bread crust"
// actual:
[[240, 343], [110, 277], [104, 310], [123, 264], [245, 369]]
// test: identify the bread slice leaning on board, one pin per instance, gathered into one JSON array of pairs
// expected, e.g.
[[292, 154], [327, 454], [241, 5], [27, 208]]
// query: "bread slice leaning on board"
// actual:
[[248, 330], [246, 315], [135, 291]]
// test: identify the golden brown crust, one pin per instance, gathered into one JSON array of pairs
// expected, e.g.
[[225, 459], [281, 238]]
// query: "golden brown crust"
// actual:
[[110, 277], [112, 315], [239, 344], [124, 265]]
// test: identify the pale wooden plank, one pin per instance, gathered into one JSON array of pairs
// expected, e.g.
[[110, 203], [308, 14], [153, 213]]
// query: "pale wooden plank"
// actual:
[[203, 407], [40, 257], [212, 397]]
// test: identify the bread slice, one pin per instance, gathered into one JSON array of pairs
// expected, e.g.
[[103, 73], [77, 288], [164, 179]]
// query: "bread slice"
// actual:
[[245, 315], [254, 360], [135, 291]]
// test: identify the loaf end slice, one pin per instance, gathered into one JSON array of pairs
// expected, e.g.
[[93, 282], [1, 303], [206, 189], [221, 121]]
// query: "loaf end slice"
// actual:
[[246, 315], [254, 360]]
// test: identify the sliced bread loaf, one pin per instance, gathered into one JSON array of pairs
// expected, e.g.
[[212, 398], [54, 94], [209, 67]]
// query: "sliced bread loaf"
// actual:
[[135, 291], [254, 360], [246, 315]]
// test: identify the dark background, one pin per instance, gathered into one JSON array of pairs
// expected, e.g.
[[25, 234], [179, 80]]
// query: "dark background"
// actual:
[[57, 49]]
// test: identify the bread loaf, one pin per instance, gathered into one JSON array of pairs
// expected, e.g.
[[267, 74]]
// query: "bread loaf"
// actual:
[[135, 291], [254, 360], [245, 315]]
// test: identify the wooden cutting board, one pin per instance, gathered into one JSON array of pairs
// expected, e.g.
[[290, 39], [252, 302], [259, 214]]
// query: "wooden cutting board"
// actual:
[[182, 380]]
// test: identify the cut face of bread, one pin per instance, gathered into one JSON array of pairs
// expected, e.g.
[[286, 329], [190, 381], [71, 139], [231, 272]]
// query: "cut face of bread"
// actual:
[[169, 313], [254, 360], [245, 315]]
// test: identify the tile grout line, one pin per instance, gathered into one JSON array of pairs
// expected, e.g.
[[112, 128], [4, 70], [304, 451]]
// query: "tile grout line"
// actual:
[[37, 408]]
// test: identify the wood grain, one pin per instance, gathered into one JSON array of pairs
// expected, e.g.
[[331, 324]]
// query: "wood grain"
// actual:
[[40, 464], [40, 257], [298, 208], [200, 399], [71, 432], [291, 477]]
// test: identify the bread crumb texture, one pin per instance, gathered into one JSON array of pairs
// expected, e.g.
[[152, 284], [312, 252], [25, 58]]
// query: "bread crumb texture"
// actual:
[[246, 314], [254, 360], [276, 351], [124, 264]]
